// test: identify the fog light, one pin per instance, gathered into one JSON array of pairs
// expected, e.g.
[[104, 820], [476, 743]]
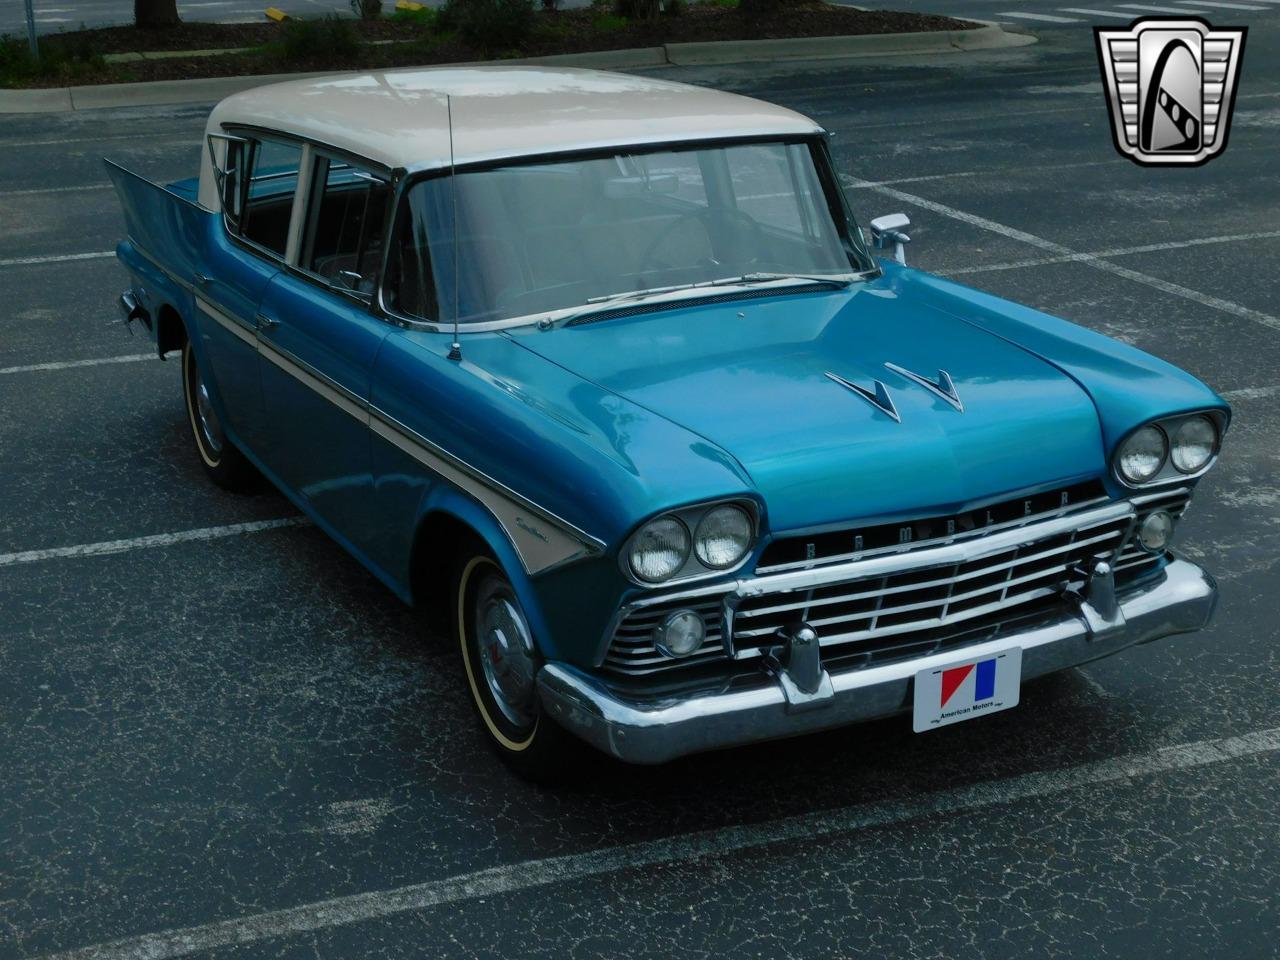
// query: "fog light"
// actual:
[[679, 634], [1156, 532]]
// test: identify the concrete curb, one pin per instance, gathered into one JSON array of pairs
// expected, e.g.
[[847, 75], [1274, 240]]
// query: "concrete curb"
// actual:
[[989, 36]]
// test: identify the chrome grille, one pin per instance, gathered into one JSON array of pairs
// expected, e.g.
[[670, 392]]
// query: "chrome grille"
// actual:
[[888, 604], [1133, 560], [796, 552], [633, 652], [974, 592]]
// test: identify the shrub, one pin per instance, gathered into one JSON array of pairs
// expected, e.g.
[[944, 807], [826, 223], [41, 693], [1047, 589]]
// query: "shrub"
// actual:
[[329, 39], [58, 60], [367, 9], [673, 8], [550, 6], [489, 25], [609, 23], [424, 19]]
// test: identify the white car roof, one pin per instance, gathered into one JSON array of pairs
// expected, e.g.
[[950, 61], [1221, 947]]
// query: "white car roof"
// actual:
[[399, 118]]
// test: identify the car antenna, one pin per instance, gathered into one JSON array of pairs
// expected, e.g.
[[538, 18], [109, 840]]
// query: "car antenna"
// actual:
[[455, 349]]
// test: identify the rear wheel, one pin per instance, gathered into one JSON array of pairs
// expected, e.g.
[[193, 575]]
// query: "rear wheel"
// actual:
[[501, 663], [222, 461]]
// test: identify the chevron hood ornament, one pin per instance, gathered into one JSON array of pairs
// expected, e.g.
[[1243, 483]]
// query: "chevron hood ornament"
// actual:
[[942, 387], [879, 399]]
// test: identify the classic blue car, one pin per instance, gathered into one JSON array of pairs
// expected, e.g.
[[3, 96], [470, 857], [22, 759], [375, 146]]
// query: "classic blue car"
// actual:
[[601, 370]]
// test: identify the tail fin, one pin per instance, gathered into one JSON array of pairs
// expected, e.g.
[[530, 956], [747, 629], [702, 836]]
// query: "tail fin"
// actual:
[[165, 226]]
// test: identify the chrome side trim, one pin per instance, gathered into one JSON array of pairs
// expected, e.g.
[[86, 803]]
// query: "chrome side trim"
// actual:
[[542, 540], [150, 258], [309, 376], [227, 321]]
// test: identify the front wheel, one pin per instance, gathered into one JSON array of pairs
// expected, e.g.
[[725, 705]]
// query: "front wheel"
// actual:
[[222, 461], [501, 664]]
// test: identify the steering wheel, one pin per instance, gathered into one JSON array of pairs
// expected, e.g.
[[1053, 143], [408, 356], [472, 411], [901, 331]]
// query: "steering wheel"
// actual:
[[649, 261]]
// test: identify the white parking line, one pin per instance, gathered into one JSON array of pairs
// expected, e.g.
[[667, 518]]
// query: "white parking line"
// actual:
[[1097, 13], [72, 364], [155, 540], [1092, 260], [1115, 252], [868, 184], [56, 258], [1143, 6], [1251, 393], [1038, 16], [685, 848], [1218, 3], [37, 190]]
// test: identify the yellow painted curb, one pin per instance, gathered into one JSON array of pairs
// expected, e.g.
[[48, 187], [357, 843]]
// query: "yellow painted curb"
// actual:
[[410, 5], [276, 14]]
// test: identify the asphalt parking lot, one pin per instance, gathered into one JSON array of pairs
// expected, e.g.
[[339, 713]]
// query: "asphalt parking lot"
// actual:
[[220, 737]]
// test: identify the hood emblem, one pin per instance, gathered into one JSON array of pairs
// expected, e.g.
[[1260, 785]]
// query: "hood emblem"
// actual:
[[942, 387], [880, 399]]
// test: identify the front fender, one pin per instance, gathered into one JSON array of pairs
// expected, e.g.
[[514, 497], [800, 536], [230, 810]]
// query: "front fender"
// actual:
[[447, 500]]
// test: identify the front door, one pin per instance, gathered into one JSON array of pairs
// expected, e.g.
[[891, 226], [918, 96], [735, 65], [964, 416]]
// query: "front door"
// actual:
[[317, 341]]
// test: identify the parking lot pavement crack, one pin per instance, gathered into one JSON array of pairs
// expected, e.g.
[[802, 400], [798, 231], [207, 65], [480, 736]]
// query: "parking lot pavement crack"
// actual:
[[702, 845]]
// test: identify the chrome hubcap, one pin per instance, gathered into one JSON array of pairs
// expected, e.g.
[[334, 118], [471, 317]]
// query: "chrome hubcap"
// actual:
[[206, 419], [506, 652]]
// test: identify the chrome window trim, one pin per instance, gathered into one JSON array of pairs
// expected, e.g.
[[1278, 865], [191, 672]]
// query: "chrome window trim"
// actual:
[[1168, 474], [306, 144], [832, 194]]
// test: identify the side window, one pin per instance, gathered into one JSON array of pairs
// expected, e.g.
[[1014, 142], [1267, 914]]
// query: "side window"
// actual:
[[409, 288], [346, 221], [265, 198]]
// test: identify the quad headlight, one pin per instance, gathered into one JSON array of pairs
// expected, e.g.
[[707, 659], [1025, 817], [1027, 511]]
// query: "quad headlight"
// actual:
[[1169, 449], [723, 537], [1194, 443], [659, 549], [1143, 454], [664, 549]]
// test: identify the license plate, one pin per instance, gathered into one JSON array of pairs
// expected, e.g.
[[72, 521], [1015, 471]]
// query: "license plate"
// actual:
[[967, 689]]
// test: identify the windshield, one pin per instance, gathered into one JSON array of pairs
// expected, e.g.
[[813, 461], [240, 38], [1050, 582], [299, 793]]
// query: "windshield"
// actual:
[[535, 238]]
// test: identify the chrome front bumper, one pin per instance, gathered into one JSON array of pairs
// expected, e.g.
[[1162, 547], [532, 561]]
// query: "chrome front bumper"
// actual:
[[1180, 600]]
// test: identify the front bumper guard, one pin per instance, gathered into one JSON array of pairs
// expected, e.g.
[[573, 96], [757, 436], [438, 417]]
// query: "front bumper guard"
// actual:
[[655, 730]]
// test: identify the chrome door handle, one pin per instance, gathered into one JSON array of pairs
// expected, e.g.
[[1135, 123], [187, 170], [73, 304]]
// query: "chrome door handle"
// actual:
[[201, 280], [266, 323]]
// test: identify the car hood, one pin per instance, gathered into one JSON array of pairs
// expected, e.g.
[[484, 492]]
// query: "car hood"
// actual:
[[752, 377]]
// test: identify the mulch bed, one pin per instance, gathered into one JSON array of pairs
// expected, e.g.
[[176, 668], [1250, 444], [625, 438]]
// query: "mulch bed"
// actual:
[[568, 31]]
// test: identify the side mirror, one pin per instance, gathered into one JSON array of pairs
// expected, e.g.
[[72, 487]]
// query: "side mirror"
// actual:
[[887, 230]]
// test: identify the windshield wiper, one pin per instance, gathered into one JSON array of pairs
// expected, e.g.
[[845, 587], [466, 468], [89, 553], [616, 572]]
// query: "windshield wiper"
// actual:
[[839, 282], [746, 279]]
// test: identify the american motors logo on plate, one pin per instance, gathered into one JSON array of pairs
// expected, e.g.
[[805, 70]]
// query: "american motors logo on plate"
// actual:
[[971, 688]]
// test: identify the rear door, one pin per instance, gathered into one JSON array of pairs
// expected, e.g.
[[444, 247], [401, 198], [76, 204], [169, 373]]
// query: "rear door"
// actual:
[[318, 339], [248, 248]]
